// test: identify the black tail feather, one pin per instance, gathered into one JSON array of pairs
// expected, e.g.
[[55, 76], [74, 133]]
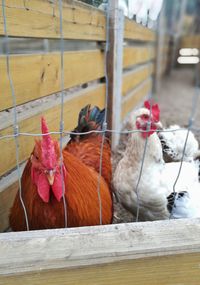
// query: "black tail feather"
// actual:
[[89, 119]]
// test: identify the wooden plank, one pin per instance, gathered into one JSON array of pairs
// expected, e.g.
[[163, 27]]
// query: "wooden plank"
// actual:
[[161, 36], [132, 99], [8, 189], [176, 269], [115, 68], [6, 200], [172, 246], [134, 31], [40, 19], [44, 76], [72, 106], [132, 78], [38, 75], [138, 55], [190, 41]]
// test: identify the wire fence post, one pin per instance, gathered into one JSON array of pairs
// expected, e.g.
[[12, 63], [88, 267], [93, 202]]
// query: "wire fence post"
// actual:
[[115, 67]]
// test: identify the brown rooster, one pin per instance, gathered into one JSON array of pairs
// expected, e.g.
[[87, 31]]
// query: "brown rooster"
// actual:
[[87, 147], [42, 182]]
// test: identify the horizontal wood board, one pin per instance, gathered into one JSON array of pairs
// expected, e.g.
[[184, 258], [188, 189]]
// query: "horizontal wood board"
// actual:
[[132, 99], [44, 78], [72, 106], [35, 76], [166, 252], [40, 19], [145, 271]]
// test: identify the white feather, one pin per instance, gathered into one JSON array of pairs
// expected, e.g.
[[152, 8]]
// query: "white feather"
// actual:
[[175, 140], [157, 180], [187, 206]]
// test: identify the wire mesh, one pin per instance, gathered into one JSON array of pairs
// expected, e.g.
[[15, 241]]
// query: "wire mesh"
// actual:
[[15, 122], [62, 110], [103, 132]]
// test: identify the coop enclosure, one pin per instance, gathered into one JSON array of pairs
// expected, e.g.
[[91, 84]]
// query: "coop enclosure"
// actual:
[[119, 75]]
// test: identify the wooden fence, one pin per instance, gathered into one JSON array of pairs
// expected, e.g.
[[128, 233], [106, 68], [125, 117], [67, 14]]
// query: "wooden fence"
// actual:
[[164, 252], [143, 253], [37, 75], [192, 41]]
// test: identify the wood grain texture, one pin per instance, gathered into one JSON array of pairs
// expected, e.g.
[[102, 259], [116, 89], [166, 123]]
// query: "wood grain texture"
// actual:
[[134, 31], [165, 270], [132, 78], [137, 55], [40, 19], [72, 105], [35, 76], [166, 251], [135, 96]]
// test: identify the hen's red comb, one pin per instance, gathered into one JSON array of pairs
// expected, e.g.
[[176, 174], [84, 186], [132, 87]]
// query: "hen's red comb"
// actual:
[[155, 109], [48, 150]]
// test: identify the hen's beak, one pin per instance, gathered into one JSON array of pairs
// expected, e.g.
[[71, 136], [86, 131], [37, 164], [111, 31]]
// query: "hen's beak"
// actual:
[[50, 177]]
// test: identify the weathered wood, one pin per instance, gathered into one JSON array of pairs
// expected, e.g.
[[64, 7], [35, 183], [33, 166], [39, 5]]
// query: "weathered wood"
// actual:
[[165, 251], [115, 68], [35, 76], [134, 31], [72, 106], [132, 78], [40, 18], [134, 97], [164, 270]]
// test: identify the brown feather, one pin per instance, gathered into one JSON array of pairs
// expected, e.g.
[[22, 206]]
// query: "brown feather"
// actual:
[[88, 151], [81, 198]]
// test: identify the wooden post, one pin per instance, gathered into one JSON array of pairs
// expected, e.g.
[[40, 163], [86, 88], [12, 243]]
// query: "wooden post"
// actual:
[[159, 45], [114, 67], [178, 32]]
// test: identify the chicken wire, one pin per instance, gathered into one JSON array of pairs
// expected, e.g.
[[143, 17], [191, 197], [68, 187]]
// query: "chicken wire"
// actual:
[[17, 133]]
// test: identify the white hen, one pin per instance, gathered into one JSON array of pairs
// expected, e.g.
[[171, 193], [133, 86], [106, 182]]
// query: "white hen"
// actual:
[[157, 178], [173, 141]]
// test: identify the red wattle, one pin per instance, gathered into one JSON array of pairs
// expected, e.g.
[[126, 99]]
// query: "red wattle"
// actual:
[[43, 187], [57, 185]]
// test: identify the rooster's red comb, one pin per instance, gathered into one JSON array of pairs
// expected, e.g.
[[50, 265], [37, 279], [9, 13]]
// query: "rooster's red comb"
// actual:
[[48, 150], [155, 109]]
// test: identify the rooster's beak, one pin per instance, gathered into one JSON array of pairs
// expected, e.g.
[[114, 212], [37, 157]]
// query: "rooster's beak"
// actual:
[[50, 177]]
